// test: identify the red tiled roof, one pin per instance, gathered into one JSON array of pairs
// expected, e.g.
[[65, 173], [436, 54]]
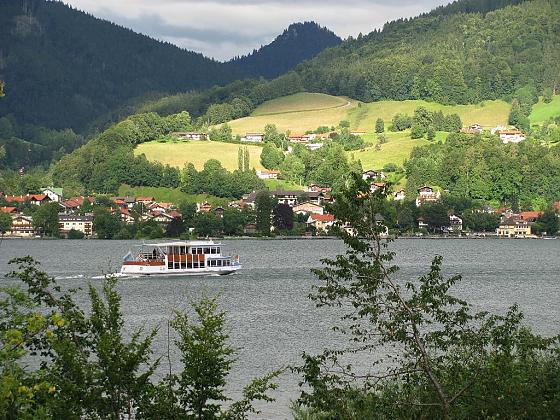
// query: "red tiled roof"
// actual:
[[527, 215], [174, 214], [323, 217], [145, 199], [38, 197], [16, 198], [8, 209]]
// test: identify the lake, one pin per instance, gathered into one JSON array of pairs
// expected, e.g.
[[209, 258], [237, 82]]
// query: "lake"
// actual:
[[270, 318]]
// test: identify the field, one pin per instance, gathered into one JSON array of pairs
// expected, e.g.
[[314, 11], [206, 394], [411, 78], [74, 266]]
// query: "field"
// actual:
[[542, 112], [300, 102], [488, 114], [170, 195], [180, 153], [396, 150], [297, 113]]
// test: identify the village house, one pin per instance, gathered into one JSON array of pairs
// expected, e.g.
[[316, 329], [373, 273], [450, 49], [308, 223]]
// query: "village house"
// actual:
[[36, 199], [161, 207], [72, 205], [253, 137], [8, 210], [287, 197], [318, 188], [511, 136], [68, 222], [126, 217], [455, 224], [399, 195], [22, 226], [374, 186], [530, 216], [308, 207], [427, 195], [189, 135], [54, 194], [250, 229], [219, 211], [373, 174], [145, 200], [205, 207], [268, 174], [321, 222], [123, 202], [298, 139], [161, 218], [472, 129], [422, 223], [514, 228], [314, 146]]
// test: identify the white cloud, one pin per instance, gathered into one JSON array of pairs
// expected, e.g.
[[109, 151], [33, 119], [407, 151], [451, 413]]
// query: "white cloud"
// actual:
[[223, 29]]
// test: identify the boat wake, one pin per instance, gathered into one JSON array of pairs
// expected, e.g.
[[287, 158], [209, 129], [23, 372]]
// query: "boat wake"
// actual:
[[117, 275], [76, 276]]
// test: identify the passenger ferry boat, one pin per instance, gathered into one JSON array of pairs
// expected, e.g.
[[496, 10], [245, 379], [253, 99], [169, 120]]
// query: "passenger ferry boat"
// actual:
[[179, 258]]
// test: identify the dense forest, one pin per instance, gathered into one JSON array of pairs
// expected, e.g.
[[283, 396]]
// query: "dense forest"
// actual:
[[482, 168], [62, 68], [447, 56], [299, 42]]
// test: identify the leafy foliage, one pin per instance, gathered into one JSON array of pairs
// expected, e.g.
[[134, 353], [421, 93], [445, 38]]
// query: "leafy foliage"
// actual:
[[429, 354], [481, 167]]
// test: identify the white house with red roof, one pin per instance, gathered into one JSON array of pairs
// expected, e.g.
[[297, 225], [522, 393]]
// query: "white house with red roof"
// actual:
[[321, 222]]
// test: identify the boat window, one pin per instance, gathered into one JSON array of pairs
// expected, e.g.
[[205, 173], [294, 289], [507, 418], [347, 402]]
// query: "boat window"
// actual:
[[201, 264], [170, 265], [218, 250], [199, 250], [212, 250], [177, 265], [207, 250], [183, 264], [189, 265], [195, 264], [228, 262], [219, 263]]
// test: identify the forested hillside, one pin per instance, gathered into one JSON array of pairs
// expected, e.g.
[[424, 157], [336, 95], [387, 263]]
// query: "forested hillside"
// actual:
[[62, 68], [299, 42], [447, 56]]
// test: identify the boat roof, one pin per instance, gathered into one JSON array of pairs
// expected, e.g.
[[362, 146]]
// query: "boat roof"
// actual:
[[182, 243]]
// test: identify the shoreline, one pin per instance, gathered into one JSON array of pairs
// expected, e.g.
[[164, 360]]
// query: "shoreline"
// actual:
[[288, 238]]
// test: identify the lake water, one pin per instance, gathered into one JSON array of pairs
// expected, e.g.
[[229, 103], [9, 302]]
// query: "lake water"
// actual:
[[271, 320]]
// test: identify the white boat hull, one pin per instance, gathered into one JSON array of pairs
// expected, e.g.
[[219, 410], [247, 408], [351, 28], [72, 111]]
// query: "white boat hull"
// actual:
[[139, 270]]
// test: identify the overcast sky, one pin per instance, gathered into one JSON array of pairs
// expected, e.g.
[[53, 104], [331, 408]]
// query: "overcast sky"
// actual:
[[226, 28]]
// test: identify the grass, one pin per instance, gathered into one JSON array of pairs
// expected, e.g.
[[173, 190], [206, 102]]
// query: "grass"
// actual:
[[281, 185], [170, 195], [299, 102], [543, 111], [396, 150], [488, 114], [296, 113], [198, 152]]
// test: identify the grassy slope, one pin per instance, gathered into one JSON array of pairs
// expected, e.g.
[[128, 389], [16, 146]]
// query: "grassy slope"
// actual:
[[180, 153], [170, 195], [306, 111], [296, 113], [488, 114], [396, 150], [542, 112]]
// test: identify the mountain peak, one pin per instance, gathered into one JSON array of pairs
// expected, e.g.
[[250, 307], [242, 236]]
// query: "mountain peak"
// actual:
[[298, 42]]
